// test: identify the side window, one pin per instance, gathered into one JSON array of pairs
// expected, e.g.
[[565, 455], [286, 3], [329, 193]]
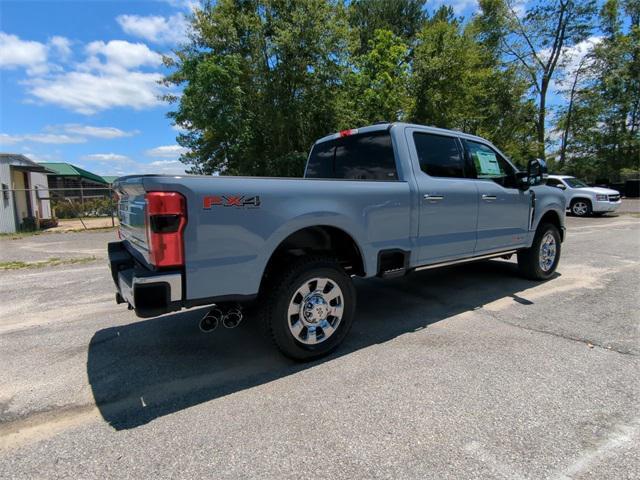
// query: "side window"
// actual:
[[553, 182], [439, 155], [357, 157], [490, 165]]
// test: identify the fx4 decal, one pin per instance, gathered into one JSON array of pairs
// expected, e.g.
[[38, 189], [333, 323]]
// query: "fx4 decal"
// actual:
[[230, 201]]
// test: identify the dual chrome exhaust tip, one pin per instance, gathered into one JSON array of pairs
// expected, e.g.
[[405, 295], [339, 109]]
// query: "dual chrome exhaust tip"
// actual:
[[229, 318]]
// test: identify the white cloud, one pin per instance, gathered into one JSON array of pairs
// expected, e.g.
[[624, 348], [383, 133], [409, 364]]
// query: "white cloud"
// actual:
[[119, 53], [65, 134], [459, 6], [113, 74], [168, 167], [570, 61], [110, 77], [88, 93], [61, 46], [50, 138], [108, 157], [92, 131], [31, 55], [155, 28], [6, 139], [117, 164], [189, 5], [15, 53], [166, 151]]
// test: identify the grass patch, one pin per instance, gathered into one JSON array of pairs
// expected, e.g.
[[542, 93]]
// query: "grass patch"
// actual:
[[51, 262], [18, 235]]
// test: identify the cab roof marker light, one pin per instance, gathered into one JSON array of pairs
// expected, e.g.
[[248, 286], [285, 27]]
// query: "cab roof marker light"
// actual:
[[346, 133]]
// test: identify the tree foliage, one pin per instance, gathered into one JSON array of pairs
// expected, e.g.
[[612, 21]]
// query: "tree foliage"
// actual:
[[262, 79], [601, 122]]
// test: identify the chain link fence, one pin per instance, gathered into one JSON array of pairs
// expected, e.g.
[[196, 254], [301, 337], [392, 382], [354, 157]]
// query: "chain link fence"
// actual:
[[61, 209]]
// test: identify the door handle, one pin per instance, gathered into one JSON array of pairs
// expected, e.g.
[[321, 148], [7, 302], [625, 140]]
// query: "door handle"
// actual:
[[488, 198], [433, 198]]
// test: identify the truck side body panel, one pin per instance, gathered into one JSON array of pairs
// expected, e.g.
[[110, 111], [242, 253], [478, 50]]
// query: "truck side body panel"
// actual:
[[227, 247], [235, 224]]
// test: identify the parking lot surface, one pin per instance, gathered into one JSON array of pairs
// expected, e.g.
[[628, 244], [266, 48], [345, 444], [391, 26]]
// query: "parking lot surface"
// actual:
[[466, 372]]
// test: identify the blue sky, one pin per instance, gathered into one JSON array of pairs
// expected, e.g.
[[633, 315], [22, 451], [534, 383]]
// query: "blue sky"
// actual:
[[78, 83]]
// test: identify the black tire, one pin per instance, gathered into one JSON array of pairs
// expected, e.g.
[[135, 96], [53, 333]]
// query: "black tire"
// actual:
[[529, 259], [279, 293], [581, 207]]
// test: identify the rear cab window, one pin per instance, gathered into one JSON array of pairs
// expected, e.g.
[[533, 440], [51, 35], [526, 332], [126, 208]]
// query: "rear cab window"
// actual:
[[365, 156]]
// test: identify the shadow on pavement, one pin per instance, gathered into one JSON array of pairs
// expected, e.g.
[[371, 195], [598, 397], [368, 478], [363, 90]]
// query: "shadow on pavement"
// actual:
[[155, 367]]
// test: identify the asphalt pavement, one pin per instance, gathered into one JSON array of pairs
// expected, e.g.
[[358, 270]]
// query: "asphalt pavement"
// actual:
[[464, 372]]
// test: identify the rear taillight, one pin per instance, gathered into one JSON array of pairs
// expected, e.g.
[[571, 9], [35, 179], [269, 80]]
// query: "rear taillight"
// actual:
[[166, 219]]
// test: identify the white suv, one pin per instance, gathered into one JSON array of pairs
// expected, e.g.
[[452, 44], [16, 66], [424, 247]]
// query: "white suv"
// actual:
[[583, 200]]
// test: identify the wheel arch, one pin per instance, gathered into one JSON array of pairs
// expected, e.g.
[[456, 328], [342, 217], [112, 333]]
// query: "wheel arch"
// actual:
[[575, 199], [552, 217], [318, 239]]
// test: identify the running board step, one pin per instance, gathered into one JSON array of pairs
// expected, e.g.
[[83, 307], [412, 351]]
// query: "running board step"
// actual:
[[507, 254]]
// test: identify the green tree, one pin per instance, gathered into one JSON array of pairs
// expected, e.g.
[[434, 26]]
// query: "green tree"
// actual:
[[261, 82], [459, 81], [377, 88], [601, 123], [404, 18], [444, 73], [537, 41], [504, 112]]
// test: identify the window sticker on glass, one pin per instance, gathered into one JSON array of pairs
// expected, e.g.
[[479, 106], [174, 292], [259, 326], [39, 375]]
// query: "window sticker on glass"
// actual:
[[488, 164]]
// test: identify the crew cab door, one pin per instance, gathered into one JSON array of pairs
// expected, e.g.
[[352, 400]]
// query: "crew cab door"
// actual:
[[504, 209], [447, 199]]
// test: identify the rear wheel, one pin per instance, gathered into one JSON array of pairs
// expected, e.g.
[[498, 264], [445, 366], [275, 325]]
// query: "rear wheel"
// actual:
[[581, 207], [309, 308], [541, 260]]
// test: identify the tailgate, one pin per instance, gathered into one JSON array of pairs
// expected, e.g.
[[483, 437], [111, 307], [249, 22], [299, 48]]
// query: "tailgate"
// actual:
[[132, 213]]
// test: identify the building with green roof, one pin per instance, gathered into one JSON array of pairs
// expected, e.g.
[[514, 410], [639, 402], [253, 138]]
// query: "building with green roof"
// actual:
[[70, 181], [110, 178]]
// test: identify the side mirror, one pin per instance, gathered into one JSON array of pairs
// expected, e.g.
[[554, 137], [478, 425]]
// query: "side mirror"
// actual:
[[536, 172], [561, 186]]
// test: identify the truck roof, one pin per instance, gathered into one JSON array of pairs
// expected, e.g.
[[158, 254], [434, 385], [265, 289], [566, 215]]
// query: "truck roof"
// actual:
[[387, 125]]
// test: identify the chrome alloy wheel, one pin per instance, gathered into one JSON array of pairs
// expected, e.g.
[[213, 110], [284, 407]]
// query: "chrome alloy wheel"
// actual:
[[315, 311], [547, 255], [580, 208]]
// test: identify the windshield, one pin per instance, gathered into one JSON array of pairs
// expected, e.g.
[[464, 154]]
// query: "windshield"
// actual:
[[575, 183]]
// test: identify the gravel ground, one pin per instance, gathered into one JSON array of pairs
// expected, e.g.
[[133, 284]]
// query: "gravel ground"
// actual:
[[47, 245], [630, 205], [466, 372]]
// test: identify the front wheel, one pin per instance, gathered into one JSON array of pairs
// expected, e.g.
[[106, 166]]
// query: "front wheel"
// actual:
[[541, 260], [309, 308], [581, 207]]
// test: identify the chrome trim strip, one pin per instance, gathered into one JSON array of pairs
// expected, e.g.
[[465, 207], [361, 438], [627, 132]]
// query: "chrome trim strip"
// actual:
[[464, 260]]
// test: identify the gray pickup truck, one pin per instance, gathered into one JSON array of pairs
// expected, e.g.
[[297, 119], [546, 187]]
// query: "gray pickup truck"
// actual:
[[383, 200]]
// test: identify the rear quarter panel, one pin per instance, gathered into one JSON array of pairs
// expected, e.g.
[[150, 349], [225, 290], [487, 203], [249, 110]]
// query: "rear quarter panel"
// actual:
[[228, 247]]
